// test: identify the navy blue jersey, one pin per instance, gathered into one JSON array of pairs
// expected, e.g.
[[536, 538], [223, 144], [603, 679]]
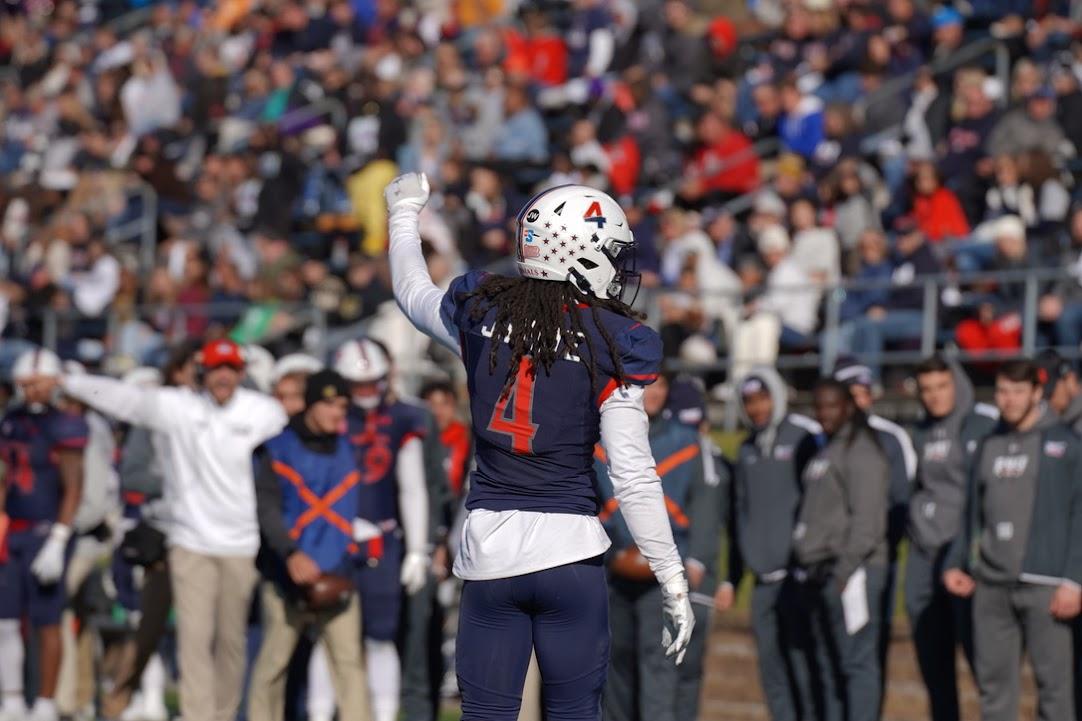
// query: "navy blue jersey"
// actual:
[[376, 436], [28, 446], [535, 443]]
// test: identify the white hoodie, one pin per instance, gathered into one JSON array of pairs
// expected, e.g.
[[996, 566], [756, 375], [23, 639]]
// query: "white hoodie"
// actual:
[[209, 486]]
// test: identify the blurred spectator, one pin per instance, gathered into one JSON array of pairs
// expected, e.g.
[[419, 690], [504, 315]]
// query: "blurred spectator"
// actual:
[[899, 316], [998, 325], [963, 152], [801, 128], [1033, 126], [724, 164], [815, 249], [849, 202], [936, 209], [522, 137], [788, 293]]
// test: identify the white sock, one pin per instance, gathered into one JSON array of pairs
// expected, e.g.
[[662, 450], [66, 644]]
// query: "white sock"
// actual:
[[12, 653], [321, 701], [152, 684], [384, 678]]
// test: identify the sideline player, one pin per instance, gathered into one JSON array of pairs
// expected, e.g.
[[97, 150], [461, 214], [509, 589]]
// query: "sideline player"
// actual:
[[42, 450], [555, 360], [386, 437]]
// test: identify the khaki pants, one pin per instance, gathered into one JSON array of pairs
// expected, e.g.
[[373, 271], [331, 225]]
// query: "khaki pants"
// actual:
[[211, 595], [283, 624]]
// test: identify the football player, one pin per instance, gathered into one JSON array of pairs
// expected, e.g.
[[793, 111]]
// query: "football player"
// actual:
[[42, 450], [555, 361]]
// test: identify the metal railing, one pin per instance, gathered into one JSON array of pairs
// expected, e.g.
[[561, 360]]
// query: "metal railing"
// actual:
[[931, 287]]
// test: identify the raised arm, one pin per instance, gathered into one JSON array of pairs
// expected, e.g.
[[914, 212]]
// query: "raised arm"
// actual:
[[416, 294], [122, 401]]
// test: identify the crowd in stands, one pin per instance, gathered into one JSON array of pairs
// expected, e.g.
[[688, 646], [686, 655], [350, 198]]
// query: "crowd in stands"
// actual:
[[764, 150]]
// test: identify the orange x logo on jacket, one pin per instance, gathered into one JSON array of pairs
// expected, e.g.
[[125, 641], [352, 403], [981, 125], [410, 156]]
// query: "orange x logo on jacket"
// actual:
[[319, 507]]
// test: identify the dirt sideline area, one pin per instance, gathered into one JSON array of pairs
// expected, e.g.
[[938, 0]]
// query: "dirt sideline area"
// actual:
[[731, 686]]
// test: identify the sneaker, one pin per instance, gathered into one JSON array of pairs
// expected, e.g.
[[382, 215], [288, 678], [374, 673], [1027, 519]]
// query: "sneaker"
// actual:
[[14, 709], [44, 710]]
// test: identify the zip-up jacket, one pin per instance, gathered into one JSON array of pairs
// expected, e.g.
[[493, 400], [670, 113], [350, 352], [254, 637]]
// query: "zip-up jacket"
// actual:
[[1024, 518], [843, 516], [945, 448], [767, 487], [679, 457]]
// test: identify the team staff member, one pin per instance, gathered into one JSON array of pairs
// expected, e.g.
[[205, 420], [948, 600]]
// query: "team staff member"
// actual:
[[1025, 512], [902, 460], [1062, 391], [945, 440], [213, 533], [709, 514], [41, 449], [765, 500], [642, 682], [307, 492], [843, 531]]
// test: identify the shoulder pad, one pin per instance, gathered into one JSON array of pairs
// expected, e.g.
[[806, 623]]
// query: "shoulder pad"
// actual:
[[987, 410], [808, 424]]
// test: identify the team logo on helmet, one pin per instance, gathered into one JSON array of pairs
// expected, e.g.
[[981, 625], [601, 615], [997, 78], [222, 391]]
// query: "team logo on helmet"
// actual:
[[533, 215], [593, 215]]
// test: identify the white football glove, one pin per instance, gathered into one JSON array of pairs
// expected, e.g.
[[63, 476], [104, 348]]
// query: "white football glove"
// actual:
[[48, 565], [364, 531], [414, 572], [678, 616], [407, 192]]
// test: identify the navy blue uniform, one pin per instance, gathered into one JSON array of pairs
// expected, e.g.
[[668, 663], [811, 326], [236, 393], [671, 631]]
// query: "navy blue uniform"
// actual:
[[29, 443], [534, 452], [376, 437]]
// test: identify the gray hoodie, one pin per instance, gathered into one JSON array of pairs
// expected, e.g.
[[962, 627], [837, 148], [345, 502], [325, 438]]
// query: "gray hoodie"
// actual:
[[1072, 416], [945, 447], [766, 487], [843, 517], [1025, 507]]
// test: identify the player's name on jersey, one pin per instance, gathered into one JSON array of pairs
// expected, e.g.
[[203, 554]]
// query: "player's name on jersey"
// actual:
[[489, 330]]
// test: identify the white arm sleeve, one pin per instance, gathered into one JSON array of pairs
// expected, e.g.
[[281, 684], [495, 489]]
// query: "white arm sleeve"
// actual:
[[123, 401], [417, 295], [413, 495], [625, 436]]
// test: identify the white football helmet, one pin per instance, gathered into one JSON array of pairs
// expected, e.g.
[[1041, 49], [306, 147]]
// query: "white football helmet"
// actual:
[[577, 234], [364, 361], [31, 363], [295, 363]]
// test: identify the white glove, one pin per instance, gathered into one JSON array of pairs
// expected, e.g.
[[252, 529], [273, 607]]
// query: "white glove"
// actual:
[[678, 616], [48, 565], [414, 572], [407, 192], [364, 531]]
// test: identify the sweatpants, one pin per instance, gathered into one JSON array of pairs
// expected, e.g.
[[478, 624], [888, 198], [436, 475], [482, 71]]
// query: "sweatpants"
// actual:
[[855, 675], [690, 672], [562, 614], [1010, 619], [783, 645], [940, 622], [642, 683], [422, 654]]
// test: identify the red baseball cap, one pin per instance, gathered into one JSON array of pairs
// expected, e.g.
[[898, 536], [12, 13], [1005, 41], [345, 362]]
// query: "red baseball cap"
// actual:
[[222, 352]]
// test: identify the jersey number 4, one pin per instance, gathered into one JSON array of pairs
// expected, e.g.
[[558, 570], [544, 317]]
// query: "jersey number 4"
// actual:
[[520, 425]]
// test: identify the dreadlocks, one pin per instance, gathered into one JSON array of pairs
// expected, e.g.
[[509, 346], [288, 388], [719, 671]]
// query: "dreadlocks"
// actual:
[[542, 320]]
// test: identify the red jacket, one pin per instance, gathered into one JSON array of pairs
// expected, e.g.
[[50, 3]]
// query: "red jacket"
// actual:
[[728, 166], [940, 216], [543, 58], [625, 162]]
